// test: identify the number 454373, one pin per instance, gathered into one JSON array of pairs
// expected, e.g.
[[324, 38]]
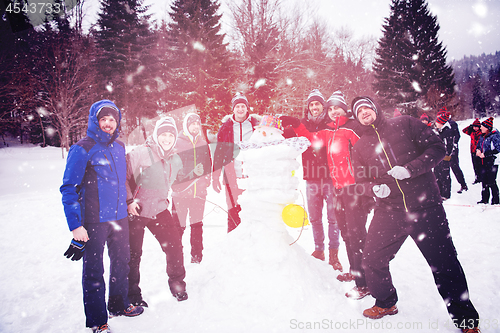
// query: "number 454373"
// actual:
[[33, 8]]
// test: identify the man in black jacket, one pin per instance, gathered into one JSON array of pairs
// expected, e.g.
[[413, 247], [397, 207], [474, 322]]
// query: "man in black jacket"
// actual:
[[393, 161]]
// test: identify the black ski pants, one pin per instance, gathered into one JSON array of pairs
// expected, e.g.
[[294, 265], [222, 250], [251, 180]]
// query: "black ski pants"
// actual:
[[430, 231], [167, 233]]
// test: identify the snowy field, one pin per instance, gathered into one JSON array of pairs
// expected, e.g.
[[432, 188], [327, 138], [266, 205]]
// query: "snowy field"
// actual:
[[247, 282]]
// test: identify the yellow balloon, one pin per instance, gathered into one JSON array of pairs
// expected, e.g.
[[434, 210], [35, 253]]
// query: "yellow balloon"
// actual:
[[294, 216]]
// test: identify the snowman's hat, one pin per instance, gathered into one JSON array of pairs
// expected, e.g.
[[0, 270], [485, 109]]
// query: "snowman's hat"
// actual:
[[271, 121]]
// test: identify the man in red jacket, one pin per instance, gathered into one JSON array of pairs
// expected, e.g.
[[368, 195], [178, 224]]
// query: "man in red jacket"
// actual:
[[235, 128]]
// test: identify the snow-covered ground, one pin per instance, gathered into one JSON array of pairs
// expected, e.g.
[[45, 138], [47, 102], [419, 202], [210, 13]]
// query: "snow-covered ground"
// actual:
[[244, 284]]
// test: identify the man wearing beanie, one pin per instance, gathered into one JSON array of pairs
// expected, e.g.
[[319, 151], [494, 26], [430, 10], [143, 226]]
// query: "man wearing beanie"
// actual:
[[93, 196], [442, 170], [319, 187], [488, 147], [424, 118], [474, 131], [338, 139], [393, 162], [454, 163], [189, 197], [151, 170], [235, 128]]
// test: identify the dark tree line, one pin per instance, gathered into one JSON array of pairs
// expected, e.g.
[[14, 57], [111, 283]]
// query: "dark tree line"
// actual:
[[51, 74], [54, 72], [478, 85]]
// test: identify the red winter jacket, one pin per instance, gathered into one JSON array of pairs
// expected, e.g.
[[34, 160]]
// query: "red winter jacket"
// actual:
[[338, 140], [474, 137]]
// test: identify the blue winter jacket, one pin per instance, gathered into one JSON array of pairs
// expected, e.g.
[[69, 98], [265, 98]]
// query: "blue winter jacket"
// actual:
[[93, 188]]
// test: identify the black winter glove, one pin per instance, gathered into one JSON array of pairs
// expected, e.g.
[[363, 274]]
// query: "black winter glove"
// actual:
[[289, 121], [75, 250]]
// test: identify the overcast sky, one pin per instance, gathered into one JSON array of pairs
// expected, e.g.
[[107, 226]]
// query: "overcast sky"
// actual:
[[468, 27]]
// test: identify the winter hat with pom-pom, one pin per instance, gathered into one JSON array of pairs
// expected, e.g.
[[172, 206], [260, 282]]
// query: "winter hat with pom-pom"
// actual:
[[488, 123], [443, 118]]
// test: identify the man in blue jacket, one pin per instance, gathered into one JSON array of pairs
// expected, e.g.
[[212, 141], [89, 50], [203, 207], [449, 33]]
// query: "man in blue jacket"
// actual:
[[94, 199]]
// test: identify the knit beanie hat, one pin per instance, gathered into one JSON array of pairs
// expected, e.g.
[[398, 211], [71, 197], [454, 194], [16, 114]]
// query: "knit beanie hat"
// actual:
[[167, 125], [108, 111], [424, 116], [192, 118], [315, 95], [239, 98], [442, 110], [476, 122], [337, 99], [488, 123], [358, 102], [443, 118]]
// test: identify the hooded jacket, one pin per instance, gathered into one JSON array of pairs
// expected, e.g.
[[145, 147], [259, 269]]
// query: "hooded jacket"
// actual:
[[489, 145], [93, 188], [338, 140], [192, 151], [150, 174], [403, 141]]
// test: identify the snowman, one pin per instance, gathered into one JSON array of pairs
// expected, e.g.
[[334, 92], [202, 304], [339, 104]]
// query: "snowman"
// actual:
[[269, 163]]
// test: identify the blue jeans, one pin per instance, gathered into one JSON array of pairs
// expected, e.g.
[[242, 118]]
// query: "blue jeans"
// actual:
[[318, 191], [116, 235]]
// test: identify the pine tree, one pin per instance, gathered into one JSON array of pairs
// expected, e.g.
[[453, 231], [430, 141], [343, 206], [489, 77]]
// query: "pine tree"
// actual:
[[126, 63], [479, 96], [200, 63], [410, 67]]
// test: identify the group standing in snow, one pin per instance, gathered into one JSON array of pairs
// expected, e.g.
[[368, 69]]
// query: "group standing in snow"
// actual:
[[357, 162]]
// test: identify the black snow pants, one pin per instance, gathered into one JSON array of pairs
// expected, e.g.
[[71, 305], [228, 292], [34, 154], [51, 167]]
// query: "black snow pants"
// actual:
[[430, 231], [167, 233]]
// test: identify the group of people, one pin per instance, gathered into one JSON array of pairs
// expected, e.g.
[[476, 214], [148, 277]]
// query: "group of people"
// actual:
[[110, 197], [484, 145], [358, 161]]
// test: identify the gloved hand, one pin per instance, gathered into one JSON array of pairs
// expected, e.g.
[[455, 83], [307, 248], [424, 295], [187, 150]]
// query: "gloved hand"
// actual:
[[447, 158], [381, 191], [75, 250], [289, 121], [399, 172]]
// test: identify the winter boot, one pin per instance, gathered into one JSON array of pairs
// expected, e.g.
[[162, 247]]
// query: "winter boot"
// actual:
[[319, 255], [376, 312], [485, 194], [101, 329], [357, 293], [495, 200], [463, 188], [131, 311], [196, 242], [181, 296], [334, 260]]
